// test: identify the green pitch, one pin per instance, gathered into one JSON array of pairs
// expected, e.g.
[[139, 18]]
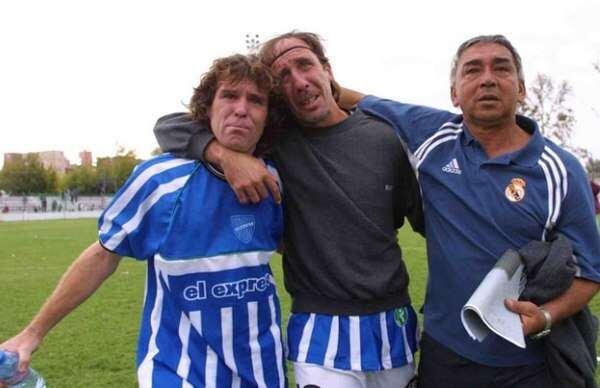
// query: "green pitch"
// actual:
[[95, 345]]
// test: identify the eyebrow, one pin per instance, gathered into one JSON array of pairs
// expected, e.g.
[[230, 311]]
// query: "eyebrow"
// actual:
[[495, 61], [228, 90]]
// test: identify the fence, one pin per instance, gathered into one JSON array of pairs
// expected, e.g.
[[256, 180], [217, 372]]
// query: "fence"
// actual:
[[23, 208]]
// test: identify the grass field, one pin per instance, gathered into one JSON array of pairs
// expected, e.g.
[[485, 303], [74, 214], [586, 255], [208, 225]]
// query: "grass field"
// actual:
[[95, 345]]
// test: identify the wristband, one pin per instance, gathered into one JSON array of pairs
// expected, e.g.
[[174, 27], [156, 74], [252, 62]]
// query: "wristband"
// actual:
[[547, 326]]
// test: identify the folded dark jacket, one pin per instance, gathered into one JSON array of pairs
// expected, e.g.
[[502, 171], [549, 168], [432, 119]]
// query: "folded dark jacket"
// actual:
[[571, 346]]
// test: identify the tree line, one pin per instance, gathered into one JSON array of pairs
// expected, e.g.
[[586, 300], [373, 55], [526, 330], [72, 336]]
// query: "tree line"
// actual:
[[28, 175], [547, 102]]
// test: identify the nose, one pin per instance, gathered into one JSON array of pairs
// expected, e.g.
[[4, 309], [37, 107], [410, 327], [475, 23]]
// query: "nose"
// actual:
[[241, 107], [299, 81], [487, 78]]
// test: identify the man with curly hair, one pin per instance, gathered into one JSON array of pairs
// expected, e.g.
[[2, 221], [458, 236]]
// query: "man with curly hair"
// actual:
[[211, 314]]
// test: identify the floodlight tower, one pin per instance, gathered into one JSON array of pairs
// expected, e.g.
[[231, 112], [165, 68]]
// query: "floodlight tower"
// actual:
[[252, 43]]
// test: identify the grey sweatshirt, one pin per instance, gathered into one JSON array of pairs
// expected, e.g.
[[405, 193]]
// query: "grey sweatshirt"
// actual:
[[347, 189]]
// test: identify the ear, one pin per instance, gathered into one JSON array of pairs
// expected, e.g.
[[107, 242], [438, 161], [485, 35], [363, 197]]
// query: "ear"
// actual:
[[327, 68], [453, 96], [522, 92]]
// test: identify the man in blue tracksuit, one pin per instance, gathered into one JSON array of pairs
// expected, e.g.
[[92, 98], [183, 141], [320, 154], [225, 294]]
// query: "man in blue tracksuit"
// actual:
[[490, 182]]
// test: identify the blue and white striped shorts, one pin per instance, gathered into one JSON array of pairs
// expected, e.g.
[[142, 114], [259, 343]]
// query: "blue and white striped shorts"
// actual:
[[371, 342]]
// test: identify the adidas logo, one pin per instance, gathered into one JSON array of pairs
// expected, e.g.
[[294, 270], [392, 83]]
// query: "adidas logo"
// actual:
[[452, 167]]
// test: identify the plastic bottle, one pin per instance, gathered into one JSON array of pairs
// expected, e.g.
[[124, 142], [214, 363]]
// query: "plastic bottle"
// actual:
[[9, 363]]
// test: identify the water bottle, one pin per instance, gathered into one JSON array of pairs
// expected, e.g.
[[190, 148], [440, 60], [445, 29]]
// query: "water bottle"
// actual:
[[9, 374]]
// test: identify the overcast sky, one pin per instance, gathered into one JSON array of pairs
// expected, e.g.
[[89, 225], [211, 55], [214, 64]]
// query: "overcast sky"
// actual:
[[96, 75]]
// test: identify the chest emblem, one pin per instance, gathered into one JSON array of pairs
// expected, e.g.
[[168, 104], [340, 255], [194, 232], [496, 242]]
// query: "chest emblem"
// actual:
[[515, 191], [243, 227]]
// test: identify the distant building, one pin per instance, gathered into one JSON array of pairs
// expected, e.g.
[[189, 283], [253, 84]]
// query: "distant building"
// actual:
[[86, 158], [55, 160], [12, 157]]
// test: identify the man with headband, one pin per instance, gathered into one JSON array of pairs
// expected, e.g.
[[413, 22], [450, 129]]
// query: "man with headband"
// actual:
[[348, 187]]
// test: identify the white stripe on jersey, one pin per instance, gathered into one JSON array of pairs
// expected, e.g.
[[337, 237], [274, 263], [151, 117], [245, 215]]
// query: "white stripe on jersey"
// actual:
[[355, 359], [125, 198], [407, 351], [433, 145], [332, 343], [227, 333], [147, 365], [556, 188], [183, 368], [549, 186], [442, 132], [276, 333], [562, 168], [213, 263], [556, 183], [305, 339], [210, 368], [146, 205], [386, 357], [255, 353]]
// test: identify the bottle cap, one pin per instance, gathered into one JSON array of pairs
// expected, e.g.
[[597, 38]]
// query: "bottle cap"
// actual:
[[4, 354]]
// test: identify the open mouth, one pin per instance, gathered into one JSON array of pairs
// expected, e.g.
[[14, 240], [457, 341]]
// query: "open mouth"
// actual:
[[488, 98], [307, 99]]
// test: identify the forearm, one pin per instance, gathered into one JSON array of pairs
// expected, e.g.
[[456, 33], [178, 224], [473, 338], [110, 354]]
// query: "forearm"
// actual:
[[215, 153], [180, 134], [572, 300], [349, 98], [81, 280]]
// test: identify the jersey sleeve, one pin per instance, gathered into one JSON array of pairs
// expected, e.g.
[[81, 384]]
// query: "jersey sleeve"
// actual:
[[138, 217], [183, 136], [577, 222], [413, 123]]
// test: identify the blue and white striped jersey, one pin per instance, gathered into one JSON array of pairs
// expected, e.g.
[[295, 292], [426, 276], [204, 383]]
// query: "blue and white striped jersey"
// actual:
[[365, 343], [476, 208], [211, 314]]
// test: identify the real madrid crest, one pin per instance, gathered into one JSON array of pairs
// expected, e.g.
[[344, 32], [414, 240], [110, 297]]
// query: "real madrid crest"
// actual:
[[515, 191]]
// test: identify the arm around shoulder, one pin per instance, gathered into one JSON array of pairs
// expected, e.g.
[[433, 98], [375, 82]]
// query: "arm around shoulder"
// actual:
[[180, 134]]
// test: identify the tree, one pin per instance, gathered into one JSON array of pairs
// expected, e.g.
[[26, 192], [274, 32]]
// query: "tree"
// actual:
[[28, 175], [546, 103], [593, 168], [113, 171], [81, 179]]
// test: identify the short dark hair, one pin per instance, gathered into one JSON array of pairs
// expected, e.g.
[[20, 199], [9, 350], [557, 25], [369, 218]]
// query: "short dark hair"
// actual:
[[313, 41], [497, 39], [234, 69]]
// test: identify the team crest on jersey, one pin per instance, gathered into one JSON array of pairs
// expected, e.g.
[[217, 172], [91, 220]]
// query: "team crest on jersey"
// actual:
[[515, 191], [401, 316], [243, 227]]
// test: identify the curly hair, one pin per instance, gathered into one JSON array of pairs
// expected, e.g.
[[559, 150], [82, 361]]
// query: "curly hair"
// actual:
[[234, 69]]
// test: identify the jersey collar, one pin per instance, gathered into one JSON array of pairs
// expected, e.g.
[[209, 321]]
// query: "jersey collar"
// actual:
[[527, 156]]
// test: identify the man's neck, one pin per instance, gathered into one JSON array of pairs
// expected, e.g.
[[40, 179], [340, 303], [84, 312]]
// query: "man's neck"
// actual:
[[334, 117], [499, 139]]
